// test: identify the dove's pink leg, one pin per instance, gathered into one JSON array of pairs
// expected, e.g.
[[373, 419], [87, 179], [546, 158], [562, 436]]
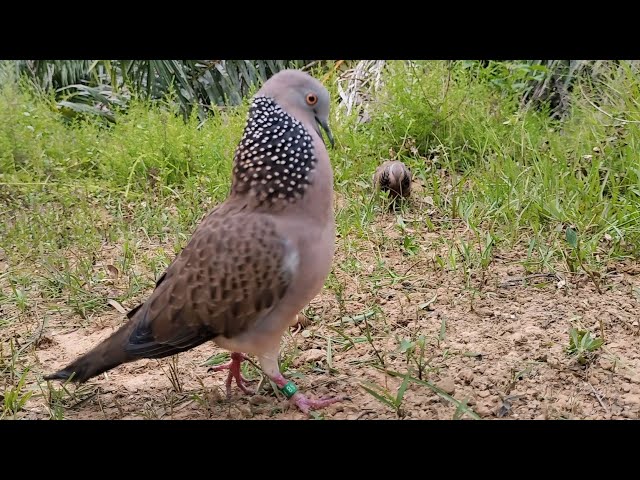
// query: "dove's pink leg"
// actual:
[[234, 372], [269, 365]]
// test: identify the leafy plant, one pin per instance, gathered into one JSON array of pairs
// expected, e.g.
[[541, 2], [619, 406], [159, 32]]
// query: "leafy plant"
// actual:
[[578, 256], [461, 407], [384, 396], [582, 345], [414, 350], [409, 244], [14, 398]]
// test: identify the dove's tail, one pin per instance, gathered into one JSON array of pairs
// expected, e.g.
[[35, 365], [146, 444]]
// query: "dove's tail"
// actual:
[[106, 355]]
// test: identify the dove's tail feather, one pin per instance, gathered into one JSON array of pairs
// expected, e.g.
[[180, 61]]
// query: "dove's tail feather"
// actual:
[[106, 355]]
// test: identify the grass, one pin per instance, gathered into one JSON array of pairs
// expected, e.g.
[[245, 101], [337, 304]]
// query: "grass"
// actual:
[[91, 211]]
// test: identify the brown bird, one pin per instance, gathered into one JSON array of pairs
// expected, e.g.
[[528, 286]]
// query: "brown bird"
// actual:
[[256, 260], [394, 177]]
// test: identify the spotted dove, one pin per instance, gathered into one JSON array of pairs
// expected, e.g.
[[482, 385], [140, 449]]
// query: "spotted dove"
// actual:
[[256, 260], [394, 177]]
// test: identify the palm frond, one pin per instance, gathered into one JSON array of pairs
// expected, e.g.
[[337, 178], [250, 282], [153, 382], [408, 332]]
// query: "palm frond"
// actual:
[[198, 84]]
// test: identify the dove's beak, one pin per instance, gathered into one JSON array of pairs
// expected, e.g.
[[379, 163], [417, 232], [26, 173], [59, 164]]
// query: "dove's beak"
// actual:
[[325, 126]]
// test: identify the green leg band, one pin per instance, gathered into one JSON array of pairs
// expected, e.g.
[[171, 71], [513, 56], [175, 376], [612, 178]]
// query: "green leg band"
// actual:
[[289, 389]]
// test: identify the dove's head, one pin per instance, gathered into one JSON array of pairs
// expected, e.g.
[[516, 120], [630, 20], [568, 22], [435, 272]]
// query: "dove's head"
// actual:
[[394, 177], [278, 156], [304, 97]]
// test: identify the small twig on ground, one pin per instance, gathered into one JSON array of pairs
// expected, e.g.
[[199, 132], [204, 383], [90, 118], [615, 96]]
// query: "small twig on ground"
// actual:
[[595, 393]]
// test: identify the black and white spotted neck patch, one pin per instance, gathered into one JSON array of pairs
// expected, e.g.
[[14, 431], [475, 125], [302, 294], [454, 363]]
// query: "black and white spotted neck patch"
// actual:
[[275, 156]]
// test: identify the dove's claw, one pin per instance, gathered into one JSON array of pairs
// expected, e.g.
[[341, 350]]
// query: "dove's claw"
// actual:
[[234, 372], [305, 403]]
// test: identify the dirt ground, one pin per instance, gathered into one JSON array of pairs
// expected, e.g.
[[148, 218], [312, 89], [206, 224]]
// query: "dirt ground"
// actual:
[[499, 347]]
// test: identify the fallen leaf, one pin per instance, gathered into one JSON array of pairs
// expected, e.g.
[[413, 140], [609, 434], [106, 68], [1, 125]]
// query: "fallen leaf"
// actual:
[[116, 305], [113, 270]]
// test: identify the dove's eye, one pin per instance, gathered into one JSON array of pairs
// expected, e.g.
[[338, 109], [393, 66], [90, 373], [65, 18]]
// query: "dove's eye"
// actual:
[[312, 99]]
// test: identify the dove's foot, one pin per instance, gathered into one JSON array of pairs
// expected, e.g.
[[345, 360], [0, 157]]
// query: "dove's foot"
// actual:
[[305, 403], [234, 372], [298, 398]]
